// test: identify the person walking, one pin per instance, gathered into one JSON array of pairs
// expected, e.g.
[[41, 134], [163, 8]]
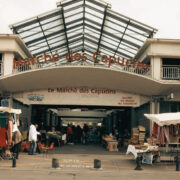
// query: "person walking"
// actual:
[[69, 134], [79, 134], [33, 138], [14, 135]]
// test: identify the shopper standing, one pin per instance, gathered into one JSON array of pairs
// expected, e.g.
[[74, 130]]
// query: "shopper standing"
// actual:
[[16, 138], [33, 138], [69, 134]]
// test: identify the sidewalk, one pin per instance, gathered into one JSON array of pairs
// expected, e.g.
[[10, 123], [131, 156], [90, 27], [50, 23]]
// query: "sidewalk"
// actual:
[[79, 166]]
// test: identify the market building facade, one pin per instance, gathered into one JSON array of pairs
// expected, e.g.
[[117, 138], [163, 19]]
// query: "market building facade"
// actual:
[[107, 66]]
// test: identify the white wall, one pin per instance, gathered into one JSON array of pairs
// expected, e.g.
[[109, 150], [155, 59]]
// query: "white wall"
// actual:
[[8, 63], [166, 49], [156, 64], [9, 46]]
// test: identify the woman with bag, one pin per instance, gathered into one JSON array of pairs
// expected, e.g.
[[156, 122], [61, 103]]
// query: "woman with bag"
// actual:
[[16, 136]]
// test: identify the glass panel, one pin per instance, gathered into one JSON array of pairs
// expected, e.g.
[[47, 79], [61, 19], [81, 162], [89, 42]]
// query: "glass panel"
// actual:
[[42, 49], [133, 51], [112, 31], [135, 35], [33, 37], [30, 32], [74, 44], [72, 4], [74, 23], [71, 13], [73, 18], [92, 32], [135, 41], [106, 52], [87, 25], [28, 26], [58, 17], [95, 6], [57, 39], [51, 26], [44, 44], [94, 11]]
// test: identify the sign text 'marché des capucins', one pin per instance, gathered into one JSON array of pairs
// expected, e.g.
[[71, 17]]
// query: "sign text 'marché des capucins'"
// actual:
[[45, 58]]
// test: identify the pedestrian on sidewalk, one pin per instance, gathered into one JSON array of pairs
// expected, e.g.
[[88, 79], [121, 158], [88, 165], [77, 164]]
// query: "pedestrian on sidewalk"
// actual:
[[16, 137], [33, 138], [69, 134]]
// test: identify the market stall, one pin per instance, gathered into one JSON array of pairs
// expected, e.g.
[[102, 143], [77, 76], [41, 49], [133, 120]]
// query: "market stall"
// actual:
[[10, 110], [166, 128], [148, 152]]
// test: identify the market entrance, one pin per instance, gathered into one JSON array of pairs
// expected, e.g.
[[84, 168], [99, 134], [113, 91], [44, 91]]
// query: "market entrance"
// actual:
[[87, 125]]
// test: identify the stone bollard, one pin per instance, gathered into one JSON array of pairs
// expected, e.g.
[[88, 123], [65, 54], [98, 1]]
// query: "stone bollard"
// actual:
[[97, 163], [138, 161], [55, 163]]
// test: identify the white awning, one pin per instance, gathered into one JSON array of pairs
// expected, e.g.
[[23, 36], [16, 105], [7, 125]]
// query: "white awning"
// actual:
[[164, 118], [10, 110]]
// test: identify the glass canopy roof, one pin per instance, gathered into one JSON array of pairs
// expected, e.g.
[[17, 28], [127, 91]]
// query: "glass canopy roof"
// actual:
[[83, 26]]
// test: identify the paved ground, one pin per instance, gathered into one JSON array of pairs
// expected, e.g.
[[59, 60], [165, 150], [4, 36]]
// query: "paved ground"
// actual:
[[76, 163]]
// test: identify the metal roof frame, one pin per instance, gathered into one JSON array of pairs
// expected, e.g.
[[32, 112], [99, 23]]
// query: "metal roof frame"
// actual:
[[91, 22]]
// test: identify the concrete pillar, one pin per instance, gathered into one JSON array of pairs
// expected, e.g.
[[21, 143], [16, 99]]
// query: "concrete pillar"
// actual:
[[8, 63], [156, 65], [120, 128], [154, 109], [133, 118], [11, 101], [109, 124], [115, 120], [29, 115], [106, 125]]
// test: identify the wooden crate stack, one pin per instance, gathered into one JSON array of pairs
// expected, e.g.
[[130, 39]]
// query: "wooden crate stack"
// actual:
[[142, 132], [135, 136], [138, 135]]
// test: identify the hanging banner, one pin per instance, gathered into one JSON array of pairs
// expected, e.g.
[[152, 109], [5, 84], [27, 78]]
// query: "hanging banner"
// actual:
[[79, 96]]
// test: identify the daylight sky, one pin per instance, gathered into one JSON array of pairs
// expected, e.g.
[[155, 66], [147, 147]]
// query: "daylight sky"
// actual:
[[161, 14]]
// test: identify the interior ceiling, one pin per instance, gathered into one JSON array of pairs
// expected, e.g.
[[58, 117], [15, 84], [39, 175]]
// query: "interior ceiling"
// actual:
[[83, 26], [83, 114]]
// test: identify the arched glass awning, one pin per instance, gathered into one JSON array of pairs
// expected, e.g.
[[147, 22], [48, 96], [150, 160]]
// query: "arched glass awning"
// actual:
[[83, 26]]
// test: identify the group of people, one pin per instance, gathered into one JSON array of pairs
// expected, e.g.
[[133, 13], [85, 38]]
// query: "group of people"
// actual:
[[15, 141], [77, 134]]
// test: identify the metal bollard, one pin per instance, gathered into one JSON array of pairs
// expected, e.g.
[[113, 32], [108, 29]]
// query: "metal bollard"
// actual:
[[55, 163], [138, 161], [13, 161], [97, 163], [177, 158]]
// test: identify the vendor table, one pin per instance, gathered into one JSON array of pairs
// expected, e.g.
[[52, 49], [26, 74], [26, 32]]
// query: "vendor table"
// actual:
[[51, 135], [111, 144], [148, 153]]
